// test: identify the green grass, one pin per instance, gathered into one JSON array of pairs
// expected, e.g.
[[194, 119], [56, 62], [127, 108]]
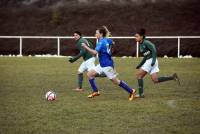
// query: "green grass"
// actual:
[[167, 107]]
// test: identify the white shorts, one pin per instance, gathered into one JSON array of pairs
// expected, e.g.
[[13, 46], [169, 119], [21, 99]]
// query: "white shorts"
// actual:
[[108, 71], [148, 68], [87, 65]]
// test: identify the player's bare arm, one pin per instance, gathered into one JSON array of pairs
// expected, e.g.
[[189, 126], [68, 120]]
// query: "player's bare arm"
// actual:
[[92, 51]]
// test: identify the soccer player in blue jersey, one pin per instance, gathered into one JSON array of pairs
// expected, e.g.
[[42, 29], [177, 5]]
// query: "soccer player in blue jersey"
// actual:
[[103, 49], [88, 59]]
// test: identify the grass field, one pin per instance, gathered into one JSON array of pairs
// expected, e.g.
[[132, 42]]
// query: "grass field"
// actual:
[[166, 109]]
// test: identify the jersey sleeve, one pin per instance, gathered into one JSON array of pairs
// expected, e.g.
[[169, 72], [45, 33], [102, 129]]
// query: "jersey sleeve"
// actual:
[[81, 53], [82, 50], [152, 48]]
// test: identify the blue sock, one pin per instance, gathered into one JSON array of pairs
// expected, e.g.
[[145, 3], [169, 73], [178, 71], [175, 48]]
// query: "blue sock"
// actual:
[[93, 85], [125, 86]]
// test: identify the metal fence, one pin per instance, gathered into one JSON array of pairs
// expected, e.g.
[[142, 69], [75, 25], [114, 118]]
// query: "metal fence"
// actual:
[[89, 37]]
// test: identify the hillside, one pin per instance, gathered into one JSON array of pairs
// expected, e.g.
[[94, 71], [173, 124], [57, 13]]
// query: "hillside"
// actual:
[[159, 19]]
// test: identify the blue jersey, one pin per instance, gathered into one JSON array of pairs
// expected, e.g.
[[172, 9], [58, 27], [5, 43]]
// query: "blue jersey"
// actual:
[[103, 48]]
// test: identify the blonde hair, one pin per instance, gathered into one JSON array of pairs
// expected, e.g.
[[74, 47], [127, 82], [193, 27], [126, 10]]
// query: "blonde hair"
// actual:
[[108, 33]]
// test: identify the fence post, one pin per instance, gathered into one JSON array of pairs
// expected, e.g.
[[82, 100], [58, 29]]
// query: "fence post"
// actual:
[[58, 46], [20, 46], [178, 53], [137, 49]]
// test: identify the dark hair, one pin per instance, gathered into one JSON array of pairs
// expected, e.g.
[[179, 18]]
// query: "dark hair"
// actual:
[[142, 32], [77, 32], [103, 31]]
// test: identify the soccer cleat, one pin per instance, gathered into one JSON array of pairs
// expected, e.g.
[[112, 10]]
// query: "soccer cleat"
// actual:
[[78, 90], [92, 95], [132, 95], [139, 96], [176, 78]]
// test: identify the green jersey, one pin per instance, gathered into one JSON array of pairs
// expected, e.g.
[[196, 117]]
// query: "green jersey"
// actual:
[[148, 50], [83, 53]]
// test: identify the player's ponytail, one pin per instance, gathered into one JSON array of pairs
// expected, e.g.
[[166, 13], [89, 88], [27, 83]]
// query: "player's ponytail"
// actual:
[[104, 31], [108, 33]]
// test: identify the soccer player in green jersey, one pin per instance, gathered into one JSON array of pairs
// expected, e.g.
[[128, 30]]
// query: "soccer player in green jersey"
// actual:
[[89, 60], [149, 64]]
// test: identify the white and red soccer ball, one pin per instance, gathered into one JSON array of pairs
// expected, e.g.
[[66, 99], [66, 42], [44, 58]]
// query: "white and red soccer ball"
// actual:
[[50, 96]]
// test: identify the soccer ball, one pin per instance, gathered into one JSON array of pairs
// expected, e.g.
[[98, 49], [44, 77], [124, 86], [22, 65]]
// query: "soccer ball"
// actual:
[[50, 96]]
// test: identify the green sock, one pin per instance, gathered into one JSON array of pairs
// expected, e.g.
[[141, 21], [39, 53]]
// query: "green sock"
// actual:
[[162, 79], [80, 80], [140, 85]]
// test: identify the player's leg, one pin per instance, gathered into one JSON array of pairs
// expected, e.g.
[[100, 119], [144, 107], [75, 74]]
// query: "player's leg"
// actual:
[[146, 68], [81, 69], [80, 80], [90, 64], [123, 85], [156, 79], [140, 75], [91, 75], [112, 75]]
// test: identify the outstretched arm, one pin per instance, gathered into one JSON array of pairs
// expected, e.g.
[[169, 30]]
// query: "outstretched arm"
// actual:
[[92, 51], [141, 63], [73, 59], [154, 53]]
